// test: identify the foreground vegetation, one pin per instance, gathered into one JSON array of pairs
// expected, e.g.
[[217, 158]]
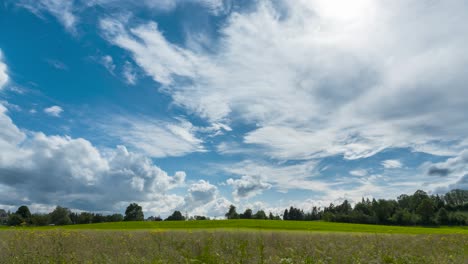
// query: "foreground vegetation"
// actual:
[[27, 245]]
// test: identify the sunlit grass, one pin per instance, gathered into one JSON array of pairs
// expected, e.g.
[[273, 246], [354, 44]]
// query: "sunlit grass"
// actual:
[[269, 225]]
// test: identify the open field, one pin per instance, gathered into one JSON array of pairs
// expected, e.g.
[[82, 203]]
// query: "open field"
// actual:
[[268, 225], [222, 246], [233, 241]]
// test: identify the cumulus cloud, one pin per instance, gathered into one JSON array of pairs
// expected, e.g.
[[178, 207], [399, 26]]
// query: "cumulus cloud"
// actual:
[[3, 72], [282, 177], [454, 171], [201, 192], [327, 78], [72, 172], [248, 186], [392, 164], [54, 110]]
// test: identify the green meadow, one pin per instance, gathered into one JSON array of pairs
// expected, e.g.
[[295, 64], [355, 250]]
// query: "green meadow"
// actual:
[[265, 225], [233, 241]]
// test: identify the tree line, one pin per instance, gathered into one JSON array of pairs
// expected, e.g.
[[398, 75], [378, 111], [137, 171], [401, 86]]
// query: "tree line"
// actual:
[[416, 209], [64, 216]]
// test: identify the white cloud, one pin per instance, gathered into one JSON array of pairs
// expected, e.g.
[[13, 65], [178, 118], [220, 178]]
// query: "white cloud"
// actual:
[[129, 73], [3, 72], [154, 137], [359, 173], [326, 79], [53, 110], [62, 10], [108, 63], [72, 172], [260, 176], [215, 6], [248, 186], [392, 164]]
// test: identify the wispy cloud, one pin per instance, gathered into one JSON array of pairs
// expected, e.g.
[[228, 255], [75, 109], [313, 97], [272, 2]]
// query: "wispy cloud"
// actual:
[[392, 164], [57, 64], [359, 173], [154, 137], [129, 73], [3, 72], [108, 63], [63, 11], [353, 98]]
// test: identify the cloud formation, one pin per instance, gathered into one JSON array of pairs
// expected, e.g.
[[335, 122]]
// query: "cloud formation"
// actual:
[[72, 172], [63, 11], [155, 138], [392, 164], [3, 72], [248, 186], [326, 78], [54, 110]]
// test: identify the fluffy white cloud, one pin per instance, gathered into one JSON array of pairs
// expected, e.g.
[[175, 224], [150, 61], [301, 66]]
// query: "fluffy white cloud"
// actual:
[[51, 170], [248, 186], [54, 110], [201, 192], [392, 164], [3, 72], [259, 176], [326, 79]]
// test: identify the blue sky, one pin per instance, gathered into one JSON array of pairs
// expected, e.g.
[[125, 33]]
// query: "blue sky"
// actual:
[[195, 105]]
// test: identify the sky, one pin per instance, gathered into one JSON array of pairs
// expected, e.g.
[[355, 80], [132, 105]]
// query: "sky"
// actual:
[[194, 105]]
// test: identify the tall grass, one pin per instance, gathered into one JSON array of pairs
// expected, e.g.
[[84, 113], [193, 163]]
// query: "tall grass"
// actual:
[[218, 246]]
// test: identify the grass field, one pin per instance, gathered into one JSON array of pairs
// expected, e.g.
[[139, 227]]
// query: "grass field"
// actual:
[[242, 241], [269, 225]]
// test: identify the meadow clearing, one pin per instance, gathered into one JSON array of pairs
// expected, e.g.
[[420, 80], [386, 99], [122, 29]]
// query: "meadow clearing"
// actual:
[[234, 241]]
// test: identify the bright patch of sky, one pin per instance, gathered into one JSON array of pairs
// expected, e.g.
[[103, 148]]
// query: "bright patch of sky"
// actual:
[[194, 105]]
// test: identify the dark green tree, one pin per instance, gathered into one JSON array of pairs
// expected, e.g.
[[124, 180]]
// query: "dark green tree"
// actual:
[[15, 220], [24, 212], [40, 219], [134, 212], [60, 216], [247, 214], [176, 216], [442, 217], [260, 215], [286, 214], [232, 214], [426, 210]]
